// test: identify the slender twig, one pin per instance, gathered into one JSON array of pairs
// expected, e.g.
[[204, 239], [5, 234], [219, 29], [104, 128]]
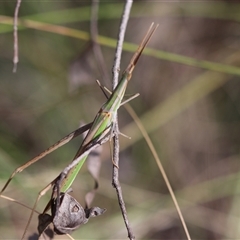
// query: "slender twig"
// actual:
[[160, 166], [15, 36], [94, 38], [17, 202], [116, 67]]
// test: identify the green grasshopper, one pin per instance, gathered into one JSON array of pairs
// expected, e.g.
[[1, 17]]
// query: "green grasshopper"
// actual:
[[101, 130]]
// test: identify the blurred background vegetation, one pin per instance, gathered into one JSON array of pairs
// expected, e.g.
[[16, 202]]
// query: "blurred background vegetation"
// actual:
[[189, 104]]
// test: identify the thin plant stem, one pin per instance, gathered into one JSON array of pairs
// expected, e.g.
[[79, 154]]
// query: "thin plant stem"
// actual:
[[99, 57], [115, 71], [96, 46], [15, 36], [160, 166]]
